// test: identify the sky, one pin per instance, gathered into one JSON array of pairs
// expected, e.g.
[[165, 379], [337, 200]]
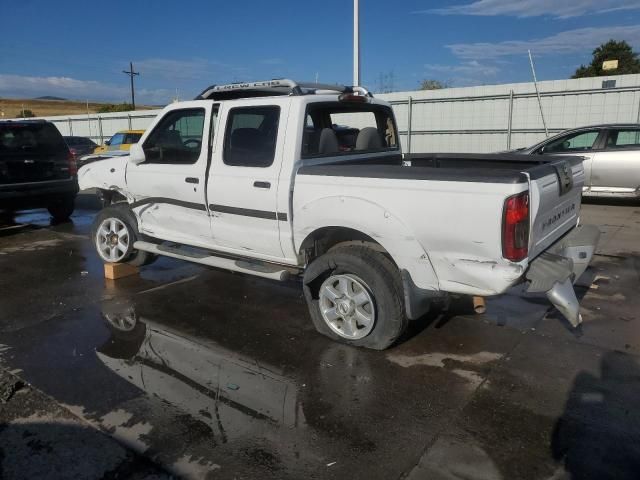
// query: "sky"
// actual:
[[78, 49]]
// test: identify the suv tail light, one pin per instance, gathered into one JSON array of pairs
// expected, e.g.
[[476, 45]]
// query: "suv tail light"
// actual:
[[73, 167], [515, 227]]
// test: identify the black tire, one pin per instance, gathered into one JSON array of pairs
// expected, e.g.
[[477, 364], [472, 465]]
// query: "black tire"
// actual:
[[61, 208], [136, 258], [383, 282]]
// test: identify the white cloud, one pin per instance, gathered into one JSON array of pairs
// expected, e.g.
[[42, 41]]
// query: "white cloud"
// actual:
[[533, 8], [464, 73], [570, 41], [473, 68], [20, 86]]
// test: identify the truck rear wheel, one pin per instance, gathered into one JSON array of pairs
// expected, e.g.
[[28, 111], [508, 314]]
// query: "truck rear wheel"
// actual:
[[114, 232], [354, 294]]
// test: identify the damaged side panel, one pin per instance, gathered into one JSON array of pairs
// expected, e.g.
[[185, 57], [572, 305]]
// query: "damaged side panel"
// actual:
[[108, 174]]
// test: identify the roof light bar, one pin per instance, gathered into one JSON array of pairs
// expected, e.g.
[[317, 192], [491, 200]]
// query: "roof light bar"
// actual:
[[278, 86]]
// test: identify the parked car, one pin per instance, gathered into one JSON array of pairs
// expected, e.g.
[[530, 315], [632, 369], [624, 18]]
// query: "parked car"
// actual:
[[120, 141], [611, 156], [80, 145], [254, 178], [36, 168]]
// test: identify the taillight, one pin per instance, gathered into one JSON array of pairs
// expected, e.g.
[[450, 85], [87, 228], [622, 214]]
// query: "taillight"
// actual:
[[515, 227], [73, 168]]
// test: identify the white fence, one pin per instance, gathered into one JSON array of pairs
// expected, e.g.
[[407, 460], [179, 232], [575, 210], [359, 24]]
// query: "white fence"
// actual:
[[471, 119], [100, 126], [498, 117]]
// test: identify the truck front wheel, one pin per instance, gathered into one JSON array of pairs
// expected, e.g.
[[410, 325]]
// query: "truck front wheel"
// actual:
[[354, 294], [114, 233]]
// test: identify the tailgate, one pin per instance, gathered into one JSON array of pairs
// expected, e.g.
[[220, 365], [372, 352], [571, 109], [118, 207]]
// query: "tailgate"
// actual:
[[555, 197]]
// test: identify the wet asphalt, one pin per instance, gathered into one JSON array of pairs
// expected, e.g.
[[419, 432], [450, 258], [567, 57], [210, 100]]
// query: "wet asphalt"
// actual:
[[211, 374]]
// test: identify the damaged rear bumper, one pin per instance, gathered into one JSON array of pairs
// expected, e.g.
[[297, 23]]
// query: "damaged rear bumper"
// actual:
[[555, 270]]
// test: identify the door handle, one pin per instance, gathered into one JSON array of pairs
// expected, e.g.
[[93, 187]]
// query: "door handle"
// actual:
[[261, 184], [192, 180]]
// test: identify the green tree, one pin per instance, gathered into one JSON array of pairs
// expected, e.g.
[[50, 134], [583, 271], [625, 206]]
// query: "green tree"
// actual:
[[628, 61], [26, 113], [430, 84], [115, 107]]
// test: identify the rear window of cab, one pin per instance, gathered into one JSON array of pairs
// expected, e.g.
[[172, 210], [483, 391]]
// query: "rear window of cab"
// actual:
[[344, 128]]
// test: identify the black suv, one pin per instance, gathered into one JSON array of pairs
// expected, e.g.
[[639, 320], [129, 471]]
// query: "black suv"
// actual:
[[36, 168]]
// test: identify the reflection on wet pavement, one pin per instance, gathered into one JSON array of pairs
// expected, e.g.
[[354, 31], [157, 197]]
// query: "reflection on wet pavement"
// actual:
[[215, 374]]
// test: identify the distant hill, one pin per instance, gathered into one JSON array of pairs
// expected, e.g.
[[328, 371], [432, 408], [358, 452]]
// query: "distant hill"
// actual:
[[49, 106], [49, 97]]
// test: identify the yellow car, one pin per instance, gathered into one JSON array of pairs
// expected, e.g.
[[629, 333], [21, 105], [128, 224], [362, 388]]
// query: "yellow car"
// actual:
[[120, 141]]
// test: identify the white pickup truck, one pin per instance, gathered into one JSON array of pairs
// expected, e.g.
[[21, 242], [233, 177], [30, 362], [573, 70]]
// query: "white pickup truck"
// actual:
[[280, 178]]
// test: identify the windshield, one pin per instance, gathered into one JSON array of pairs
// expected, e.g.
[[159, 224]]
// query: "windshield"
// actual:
[[117, 139]]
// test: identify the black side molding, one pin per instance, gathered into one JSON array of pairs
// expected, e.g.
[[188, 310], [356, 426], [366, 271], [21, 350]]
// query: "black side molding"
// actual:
[[248, 212], [169, 201]]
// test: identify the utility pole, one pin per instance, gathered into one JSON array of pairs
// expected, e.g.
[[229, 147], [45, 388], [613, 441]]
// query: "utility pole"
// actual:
[[356, 42], [131, 74]]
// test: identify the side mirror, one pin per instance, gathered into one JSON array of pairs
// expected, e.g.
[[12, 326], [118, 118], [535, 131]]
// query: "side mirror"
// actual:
[[107, 142], [136, 154]]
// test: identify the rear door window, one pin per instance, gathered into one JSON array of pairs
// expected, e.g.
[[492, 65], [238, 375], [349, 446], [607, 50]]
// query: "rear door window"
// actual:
[[250, 139], [627, 138], [132, 138]]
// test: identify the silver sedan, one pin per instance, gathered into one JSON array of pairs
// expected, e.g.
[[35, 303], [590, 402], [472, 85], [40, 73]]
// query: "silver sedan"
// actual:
[[611, 153]]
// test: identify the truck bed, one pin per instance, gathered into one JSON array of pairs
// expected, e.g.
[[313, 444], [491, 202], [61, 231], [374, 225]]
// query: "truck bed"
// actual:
[[424, 193], [453, 167]]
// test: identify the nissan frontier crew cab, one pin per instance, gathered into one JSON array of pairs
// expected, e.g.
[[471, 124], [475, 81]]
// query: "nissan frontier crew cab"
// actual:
[[280, 178]]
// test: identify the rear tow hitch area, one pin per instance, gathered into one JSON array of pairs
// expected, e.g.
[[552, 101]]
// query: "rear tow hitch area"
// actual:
[[555, 270]]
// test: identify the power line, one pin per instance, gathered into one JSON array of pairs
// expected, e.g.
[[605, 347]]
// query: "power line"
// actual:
[[131, 74]]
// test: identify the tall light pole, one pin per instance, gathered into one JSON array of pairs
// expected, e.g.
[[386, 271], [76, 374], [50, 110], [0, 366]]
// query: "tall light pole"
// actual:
[[356, 42]]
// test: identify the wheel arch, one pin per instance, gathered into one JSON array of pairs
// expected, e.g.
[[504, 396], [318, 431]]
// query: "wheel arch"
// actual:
[[323, 239], [417, 300]]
